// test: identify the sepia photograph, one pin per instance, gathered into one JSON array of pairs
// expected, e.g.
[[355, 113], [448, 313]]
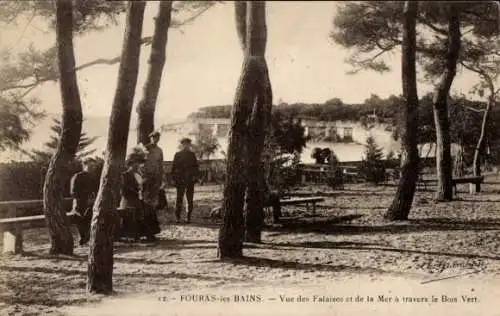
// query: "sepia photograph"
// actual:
[[249, 158]]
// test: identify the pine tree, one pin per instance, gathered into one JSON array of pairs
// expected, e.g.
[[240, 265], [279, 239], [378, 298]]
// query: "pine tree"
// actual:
[[45, 154], [206, 144], [373, 168]]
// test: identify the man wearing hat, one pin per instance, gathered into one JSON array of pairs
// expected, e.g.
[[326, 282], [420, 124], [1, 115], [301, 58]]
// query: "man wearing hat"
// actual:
[[185, 173], [153, 182], [83, 188]]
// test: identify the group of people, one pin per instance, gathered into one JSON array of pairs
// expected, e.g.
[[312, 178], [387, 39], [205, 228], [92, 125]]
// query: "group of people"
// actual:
[[142, 191]]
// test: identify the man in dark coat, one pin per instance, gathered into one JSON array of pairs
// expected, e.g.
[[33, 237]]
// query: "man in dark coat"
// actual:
[[185, 173], [84, 187]]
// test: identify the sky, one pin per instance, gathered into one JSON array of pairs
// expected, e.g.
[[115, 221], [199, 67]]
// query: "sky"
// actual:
[[204, 62]]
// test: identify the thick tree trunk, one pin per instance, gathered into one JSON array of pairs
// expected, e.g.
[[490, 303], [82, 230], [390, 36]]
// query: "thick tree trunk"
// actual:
[[250, 116], [146, 107], [100, 268], [57, 175], [254, 206], [440, 109], [259, 121], [401, 204], [231, 233]]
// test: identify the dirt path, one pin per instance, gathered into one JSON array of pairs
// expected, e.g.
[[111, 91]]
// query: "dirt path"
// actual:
[[347, 251]]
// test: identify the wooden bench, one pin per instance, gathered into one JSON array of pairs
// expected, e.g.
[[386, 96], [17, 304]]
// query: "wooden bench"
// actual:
[[303, 200], [12, 224], [474, 187], [474, 183], [13, 231]]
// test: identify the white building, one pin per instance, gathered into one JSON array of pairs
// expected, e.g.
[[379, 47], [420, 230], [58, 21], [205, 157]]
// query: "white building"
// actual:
[[351, 147]]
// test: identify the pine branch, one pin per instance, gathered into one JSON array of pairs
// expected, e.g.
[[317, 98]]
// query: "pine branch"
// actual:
[[483, 74], [474, 109], [191, 18], [370, 62], [39, 81], [429, 24]]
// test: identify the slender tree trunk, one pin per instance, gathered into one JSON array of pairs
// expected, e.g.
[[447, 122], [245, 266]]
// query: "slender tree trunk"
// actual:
[[481, 142], [250, 115], [479, 150], [146, 107], [100, 268], [71, 126], [440, 108], [458, 164], [401, 204]]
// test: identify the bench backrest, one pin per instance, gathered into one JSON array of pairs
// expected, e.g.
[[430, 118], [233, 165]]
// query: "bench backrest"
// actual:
[[27, 207]]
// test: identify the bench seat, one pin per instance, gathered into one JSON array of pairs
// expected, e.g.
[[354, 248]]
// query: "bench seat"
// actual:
[[303, 200], [12, 229], [469, 180], [474, 183]]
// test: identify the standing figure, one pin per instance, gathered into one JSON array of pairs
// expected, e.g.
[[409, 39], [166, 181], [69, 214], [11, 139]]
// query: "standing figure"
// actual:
[[131, 203], [152, 186], [83, 188], [185, 173]]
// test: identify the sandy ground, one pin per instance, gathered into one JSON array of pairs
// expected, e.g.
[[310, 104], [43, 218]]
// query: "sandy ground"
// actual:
[[445, 260]]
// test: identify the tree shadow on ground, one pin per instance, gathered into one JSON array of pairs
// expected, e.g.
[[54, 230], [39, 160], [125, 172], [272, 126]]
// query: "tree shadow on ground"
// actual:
[[363, 193], [84, 258], [343, 192], [43, 289], [165, 244], [375, 247], [286, 223], [339, 207], [291, 265], [44, 270], [121, 248], [44, 298], [287, 246], [40, 254], [478, 201], [330, 227], [83, 273]]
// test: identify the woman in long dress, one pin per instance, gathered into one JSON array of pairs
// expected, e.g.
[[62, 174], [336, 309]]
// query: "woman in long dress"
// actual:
[[131, 204], [152, 186]]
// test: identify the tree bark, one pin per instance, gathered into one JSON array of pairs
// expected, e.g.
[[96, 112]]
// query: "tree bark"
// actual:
[[261, 113], [444, 170], [100, 267], [146, 107], [250, 116], [231, 233], [71, 126], [259, 121], [481, 142], [401, 204]]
